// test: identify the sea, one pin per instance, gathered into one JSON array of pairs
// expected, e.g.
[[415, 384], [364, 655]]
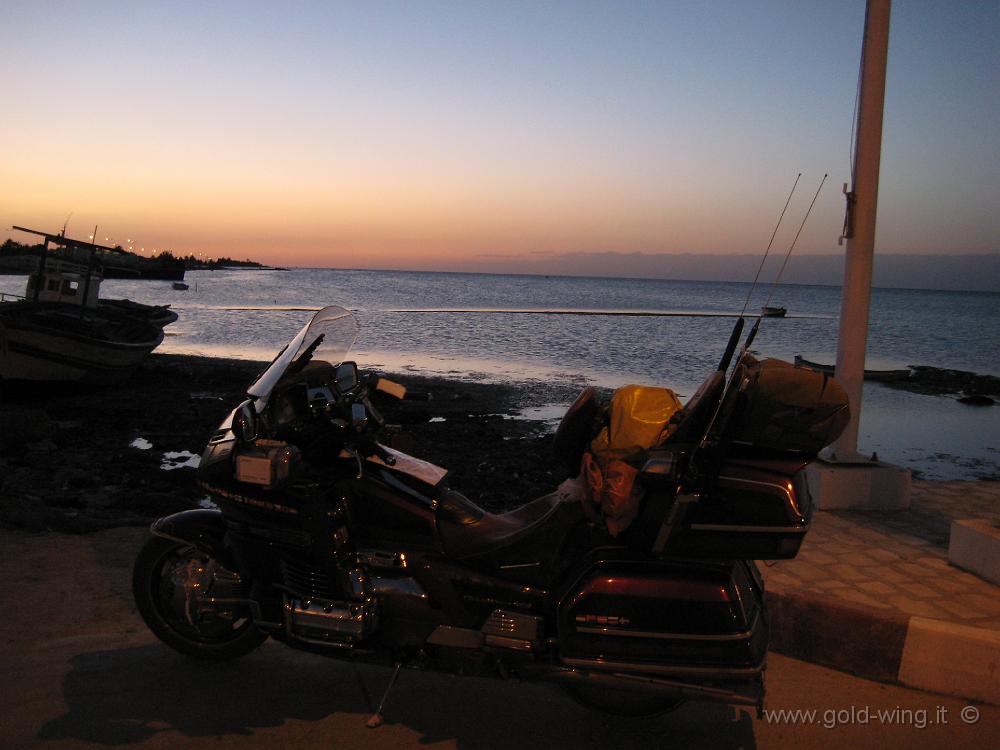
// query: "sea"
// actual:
[[607, 332]]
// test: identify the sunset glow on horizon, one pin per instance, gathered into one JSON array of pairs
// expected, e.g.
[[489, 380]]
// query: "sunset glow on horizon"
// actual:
[[443, 135]]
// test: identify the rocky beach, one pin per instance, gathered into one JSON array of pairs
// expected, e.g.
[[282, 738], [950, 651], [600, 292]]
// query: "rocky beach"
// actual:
[[78, 459]]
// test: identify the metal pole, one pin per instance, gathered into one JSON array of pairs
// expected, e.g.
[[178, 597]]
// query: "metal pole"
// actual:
[[90, 270], [856, 298], [40, 273]]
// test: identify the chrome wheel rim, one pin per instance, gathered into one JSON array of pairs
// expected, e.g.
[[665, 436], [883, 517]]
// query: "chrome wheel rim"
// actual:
[[198, 598]]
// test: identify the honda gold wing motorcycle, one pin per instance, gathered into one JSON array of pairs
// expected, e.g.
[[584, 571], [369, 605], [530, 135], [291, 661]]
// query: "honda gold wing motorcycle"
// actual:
[[329, 540]]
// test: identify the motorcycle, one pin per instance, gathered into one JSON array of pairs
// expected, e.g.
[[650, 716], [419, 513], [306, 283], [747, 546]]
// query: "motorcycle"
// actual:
[[329, 540]]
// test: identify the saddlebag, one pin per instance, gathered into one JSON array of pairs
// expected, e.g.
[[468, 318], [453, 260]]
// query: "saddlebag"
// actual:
[[671, 617], [755, 508]]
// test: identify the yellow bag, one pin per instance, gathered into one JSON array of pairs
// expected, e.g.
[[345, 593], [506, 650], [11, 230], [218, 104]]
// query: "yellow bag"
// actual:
[[637, 421]]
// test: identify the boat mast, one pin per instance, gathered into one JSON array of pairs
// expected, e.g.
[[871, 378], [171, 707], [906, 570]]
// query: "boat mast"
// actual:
[[90, 270], [862, 201], [40, 273]]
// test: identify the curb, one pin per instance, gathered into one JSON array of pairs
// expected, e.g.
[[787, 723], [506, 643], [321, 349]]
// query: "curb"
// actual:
[[886, 646]]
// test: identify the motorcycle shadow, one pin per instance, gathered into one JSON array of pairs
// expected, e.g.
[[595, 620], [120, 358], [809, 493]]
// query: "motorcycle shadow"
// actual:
[[132, 695]]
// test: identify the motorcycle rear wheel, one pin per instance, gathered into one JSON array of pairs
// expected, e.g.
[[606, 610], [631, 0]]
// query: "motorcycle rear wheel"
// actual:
[[621, 702], [173, 582]]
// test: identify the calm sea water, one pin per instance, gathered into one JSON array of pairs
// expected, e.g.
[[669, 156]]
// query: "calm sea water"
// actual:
[[253, 313]]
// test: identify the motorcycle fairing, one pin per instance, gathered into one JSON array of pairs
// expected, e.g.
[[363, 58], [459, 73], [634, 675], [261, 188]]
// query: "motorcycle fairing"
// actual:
[[326, 338], [203, 528]]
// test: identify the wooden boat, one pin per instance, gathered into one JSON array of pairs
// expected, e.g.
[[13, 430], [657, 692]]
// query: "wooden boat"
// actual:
[[60, 331], [52, 341], [180, 286], [774, 312], [877, 376]]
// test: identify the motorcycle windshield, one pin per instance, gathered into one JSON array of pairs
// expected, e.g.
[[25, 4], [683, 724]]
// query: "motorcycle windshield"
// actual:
[[326, 338]]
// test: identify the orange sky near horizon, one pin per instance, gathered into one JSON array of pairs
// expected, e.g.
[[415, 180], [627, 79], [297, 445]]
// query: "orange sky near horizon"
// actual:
[[424, 137]]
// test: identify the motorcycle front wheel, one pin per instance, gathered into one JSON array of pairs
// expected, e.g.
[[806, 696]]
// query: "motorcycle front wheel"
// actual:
[[192, 603]]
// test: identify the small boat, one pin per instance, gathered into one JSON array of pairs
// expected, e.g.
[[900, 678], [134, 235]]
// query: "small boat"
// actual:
[[61, 332], [774, 312], [180, 286], [876, 376]]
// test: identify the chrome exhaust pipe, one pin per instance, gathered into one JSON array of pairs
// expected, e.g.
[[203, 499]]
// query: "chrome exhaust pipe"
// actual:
[[753, 696]]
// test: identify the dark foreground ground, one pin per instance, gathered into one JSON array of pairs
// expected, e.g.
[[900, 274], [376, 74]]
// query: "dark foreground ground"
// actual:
[[66, 461], [81, 670]]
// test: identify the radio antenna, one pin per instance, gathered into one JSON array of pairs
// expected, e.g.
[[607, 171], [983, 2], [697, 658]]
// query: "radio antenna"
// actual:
[[781, 271], [734, 337], [754, 330], [769, 244]]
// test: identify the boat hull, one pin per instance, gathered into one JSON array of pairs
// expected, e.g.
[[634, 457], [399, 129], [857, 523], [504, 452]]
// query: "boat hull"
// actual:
[[45, 343], [158, 315], [877, 376]]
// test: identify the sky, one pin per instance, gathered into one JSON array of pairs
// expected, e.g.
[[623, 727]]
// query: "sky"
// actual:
[[468, 135]]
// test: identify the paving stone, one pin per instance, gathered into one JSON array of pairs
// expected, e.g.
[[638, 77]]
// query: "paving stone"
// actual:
[[950, 585], [782, 580], [933, 559], [817, 557], [888, 574], [864, 559], [834, 584], [960, 576], [987, 604], [898, 559], [883, 555], [960, 610], [912, 570], [846, 541], [876, 587], [806, 571], [858, 597], [839, 549], [917, 607], [871, 537], [848, 572], [919, 590]]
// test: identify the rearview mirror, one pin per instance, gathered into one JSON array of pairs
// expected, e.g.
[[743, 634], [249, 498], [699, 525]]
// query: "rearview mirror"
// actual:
[[245, 422], [345, 377]]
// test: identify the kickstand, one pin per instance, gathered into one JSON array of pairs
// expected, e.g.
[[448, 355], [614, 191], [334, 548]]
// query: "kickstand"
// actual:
[[376, 718]]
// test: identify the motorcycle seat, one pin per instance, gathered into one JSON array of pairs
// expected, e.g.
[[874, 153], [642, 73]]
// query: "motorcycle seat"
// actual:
[[527, 532]]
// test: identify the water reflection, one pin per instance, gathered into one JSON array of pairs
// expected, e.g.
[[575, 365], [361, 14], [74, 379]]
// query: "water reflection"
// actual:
[[398, 333]]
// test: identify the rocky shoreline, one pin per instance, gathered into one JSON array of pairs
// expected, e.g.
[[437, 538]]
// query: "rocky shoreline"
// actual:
[[78, 459], [971, 388]]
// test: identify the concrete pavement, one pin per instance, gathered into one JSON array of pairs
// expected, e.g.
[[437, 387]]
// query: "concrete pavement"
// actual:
[[872, 592]]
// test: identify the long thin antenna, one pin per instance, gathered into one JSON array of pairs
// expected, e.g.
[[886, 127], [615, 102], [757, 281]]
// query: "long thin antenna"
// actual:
[[769, 244], [756, 325], [781, 271], [734, 337], [777, 279]]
